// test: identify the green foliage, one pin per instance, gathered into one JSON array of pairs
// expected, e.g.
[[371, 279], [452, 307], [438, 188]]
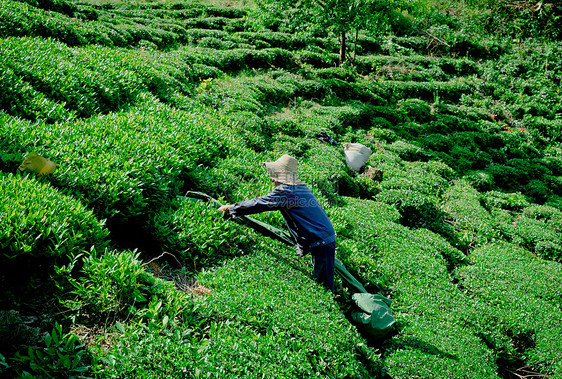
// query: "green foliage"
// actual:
[[126, 162], [62, 354], [412, 188], [139, 102], [274, 302], [415, 262], [38, 221], [521, 292], [117, 286], [198, 234], [510, 201], [415, 109], [19, 98], [472, 223], [537, 229], [69, 78]]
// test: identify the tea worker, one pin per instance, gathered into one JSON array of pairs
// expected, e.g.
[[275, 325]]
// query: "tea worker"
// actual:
[[305, 218]]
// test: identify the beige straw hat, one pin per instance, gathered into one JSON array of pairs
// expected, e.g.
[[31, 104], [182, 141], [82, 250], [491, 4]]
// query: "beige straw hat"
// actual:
[[284, 170]]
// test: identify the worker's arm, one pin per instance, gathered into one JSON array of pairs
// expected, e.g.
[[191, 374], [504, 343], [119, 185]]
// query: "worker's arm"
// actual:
[[225, 208], [280, 198]]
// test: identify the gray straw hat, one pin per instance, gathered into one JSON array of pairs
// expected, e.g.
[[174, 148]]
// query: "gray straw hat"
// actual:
[[284, 170]]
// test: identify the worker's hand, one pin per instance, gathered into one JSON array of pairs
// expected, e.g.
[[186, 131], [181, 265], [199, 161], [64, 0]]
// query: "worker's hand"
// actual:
[[225, 208]]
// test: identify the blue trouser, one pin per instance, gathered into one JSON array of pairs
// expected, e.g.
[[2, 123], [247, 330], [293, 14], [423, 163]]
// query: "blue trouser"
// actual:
[[323, 258]]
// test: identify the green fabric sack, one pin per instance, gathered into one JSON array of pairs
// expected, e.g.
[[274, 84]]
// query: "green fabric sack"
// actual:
[[349, 280], [375, 316]]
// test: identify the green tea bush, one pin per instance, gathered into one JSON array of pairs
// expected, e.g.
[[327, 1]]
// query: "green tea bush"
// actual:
[[507, 177], [253, 130], [318, 119], [481, 180], [195, 35], [356, 223], [39, 221], [20, 99], [521, 293], [536, 233], [125, 164], [266, 38], [316, 59], [472, 223], [450, 91], [467, 158], [326, 170], [354, 115], [304, 334], [117, 286], [59, 355], [244, 175], [415, 109], [60, 6], [537, 190], [216, 43], [241, 59], [408, 151], [438, 324], [21, 19], [213, 23], [253, 323], [197, 233], [65, 78], [413, 189], [514, 201]]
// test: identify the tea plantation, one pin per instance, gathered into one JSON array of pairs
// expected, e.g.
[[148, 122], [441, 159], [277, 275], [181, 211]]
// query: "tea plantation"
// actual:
[[108, 270]]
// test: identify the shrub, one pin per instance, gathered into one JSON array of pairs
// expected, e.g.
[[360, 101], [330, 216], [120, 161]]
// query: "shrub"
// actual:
[[472, 223], [414, 191], [480, 180], [279, 308], [408, 151], [537, 190], [216, 43], [379, 133], [60, 354], [435, 313], [428, 91], [518, 289], [39, 221], [116, 286], [536, 235], [20, 99], [197, 233], [325, 170], [255, 132], [84, 90], [505, 200], [124, 164], [415, 109]]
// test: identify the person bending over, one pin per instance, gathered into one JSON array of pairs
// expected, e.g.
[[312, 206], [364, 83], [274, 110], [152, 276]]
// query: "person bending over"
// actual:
[[306, 220]]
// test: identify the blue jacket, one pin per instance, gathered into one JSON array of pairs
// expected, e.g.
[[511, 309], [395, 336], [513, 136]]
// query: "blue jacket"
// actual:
[[306, 220]]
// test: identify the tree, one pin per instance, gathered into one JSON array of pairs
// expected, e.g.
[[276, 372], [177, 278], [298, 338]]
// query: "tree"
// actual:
[[337, 16]]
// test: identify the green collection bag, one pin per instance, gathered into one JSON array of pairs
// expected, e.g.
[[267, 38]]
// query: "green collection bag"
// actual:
[[375, 317], [373, 313]]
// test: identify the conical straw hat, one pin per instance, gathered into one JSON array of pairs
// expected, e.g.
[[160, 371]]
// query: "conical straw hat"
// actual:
[[284, 170]]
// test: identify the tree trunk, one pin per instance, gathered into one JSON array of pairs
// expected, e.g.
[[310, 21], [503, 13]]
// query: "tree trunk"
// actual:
[[343, 47]]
